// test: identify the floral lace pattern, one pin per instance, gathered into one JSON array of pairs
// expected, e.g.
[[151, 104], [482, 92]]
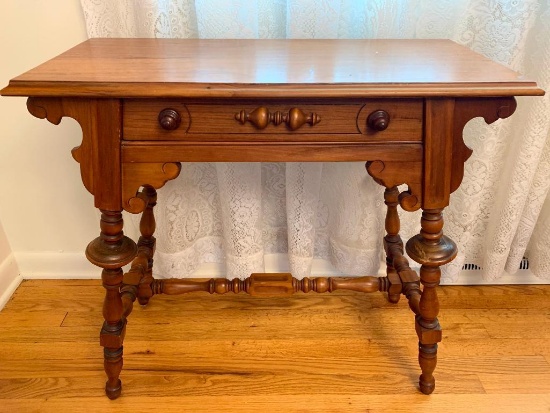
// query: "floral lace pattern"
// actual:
[[236, 213]]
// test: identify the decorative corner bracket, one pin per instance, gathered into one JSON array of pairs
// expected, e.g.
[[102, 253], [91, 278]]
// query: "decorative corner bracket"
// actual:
[[390, 174], [99, 120], [136, 175], [53, 110], [466, 109]]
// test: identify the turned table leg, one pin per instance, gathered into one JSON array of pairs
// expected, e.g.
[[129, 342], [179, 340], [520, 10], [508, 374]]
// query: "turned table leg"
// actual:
[[431, 249], [146, 244], [392, 242], [112, 250]]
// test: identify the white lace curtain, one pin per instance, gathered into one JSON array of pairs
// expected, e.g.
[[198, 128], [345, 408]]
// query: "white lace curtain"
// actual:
[[238, 213]]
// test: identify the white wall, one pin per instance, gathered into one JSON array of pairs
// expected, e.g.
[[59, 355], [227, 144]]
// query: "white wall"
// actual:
[[5, 249], [47, 214], [9, 272]]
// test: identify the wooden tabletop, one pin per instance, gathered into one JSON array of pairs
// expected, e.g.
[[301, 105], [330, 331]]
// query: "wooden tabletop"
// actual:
[[269, 68]]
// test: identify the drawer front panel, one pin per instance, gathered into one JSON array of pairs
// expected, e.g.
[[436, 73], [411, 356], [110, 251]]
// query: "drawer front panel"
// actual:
[[272, 121]]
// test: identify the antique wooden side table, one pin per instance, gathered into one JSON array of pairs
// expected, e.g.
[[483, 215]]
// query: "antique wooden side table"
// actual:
[[145, 105]]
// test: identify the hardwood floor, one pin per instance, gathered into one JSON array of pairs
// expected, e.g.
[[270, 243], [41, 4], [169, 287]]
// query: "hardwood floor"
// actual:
[[345, 352]]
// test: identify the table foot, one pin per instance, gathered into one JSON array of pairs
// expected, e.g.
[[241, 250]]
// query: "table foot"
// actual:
[[113, 392], [394, 298], [427, 358], [113, 367]]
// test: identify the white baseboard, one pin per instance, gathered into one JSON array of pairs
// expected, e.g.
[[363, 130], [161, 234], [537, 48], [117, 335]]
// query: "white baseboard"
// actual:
[[521, 277], [9, 279], [320, 267], [55, 265], [74, 265]]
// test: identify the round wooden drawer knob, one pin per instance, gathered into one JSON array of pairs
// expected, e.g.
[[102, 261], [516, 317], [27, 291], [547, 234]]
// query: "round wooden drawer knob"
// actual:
[[169, 119], [378, 120]]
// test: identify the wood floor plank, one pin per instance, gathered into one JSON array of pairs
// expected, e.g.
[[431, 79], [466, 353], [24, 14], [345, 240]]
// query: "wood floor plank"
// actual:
[[281, 347], [518, 329], [251, 403], [535, 383], [505, 346], [52, 318], [341, 352], [346, 314], [254, 330], [234, 383]]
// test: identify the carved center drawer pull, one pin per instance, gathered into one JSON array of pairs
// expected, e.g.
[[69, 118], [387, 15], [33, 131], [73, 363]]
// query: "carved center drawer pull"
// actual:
[[378, 120], [261, 117], [169, 119]]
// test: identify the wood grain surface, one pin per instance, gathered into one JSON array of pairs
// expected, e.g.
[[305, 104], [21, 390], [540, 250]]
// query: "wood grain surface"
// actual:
[[270, 68], [345, 352]]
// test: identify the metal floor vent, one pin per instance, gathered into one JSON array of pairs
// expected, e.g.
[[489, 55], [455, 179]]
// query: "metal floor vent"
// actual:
[[523, 265], [471, 267]]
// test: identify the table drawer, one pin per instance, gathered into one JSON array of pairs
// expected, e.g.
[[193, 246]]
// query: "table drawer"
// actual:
[[376, 120]]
